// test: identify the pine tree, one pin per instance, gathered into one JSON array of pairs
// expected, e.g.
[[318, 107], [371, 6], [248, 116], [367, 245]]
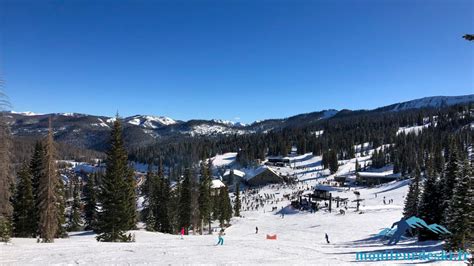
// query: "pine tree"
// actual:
[[61, 203], [163, 195], [90, 208], [24, 224], [184, 211], [5, 229], [237, 204], [430, 202], [225, 206], [413, 196], [131, 199], [75, 214], [37, 173], [165, 218], [458, 212], [6, 176], [453, 169], [470, 209], [150, 221], [146, 191], [333, 163], [48, 200], [357, 166], [205, 207], [114, 196]]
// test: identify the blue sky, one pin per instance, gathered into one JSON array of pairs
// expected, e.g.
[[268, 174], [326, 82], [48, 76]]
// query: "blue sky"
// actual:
[[231, 59]]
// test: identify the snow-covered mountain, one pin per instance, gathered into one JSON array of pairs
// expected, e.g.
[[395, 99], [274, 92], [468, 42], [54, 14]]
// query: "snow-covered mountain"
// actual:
[[229, 123], [91, 131], [149, 121], [430, 102], [27, 113]]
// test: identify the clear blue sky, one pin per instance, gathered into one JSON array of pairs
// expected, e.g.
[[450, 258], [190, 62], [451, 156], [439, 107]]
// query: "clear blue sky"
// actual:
[[231, 59]]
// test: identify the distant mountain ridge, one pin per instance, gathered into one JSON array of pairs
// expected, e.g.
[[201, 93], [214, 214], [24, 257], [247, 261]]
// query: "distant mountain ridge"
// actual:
[[429, 102], [91, 131]]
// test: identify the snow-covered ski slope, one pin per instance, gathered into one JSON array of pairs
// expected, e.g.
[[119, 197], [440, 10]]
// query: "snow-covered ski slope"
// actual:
[[300, 236]]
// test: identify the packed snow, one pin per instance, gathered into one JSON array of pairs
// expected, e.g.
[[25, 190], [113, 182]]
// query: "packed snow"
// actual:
[[206, 130], [224, 160], [300, 236]]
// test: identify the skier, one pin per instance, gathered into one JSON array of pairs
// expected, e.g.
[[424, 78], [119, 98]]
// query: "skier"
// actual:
[[256, 230], [182, 232], [221, 239], [327, 238]]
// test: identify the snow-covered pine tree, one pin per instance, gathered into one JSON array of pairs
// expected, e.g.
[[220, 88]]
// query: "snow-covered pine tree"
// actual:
[[114, 196], [429, 208], [24, 224], [48, 198], [459, 212], [90, 208], [237, 203], [413, 196]]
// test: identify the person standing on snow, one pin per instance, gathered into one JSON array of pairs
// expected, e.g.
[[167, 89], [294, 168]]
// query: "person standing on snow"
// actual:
[[182, 232], [327, 238], [221, 239], [256, 230]]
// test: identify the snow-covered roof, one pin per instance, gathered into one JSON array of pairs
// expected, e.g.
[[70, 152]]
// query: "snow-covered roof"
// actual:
[[216, 183], [278, 158], [251, 173], [376, 174], [236, 172]]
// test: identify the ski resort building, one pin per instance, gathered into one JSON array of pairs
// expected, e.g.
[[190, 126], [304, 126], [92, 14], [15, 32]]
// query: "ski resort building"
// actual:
[[233, 176], [233, 172], [373, 178], [217, 183], [262, 176], [278, 161]]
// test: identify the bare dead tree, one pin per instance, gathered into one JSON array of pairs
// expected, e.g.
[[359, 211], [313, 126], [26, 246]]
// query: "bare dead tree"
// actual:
[[47, 192]]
